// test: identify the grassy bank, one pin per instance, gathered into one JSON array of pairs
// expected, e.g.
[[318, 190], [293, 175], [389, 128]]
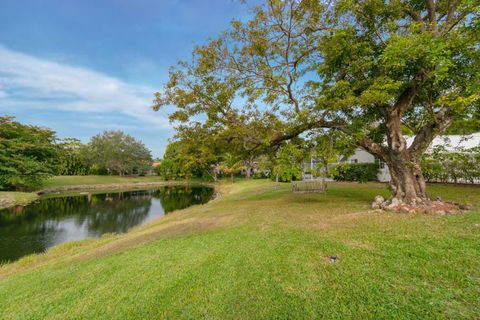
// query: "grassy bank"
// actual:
[[60, 181], [8, 199], [260, 251]]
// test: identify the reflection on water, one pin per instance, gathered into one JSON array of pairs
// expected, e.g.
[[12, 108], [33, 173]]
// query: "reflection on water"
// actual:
[[48, 222]]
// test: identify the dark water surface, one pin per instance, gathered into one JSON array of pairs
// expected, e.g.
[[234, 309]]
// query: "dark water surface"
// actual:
[[51, 221]]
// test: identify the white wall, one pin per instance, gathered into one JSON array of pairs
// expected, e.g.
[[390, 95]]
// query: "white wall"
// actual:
[[362, 156]]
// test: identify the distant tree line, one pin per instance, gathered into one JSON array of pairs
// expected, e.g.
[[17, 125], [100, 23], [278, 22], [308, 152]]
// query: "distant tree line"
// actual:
[[31, 154], [200, 152]]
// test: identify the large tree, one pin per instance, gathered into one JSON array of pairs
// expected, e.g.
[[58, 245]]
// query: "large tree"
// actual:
[[26, 154], [119, 153], [193, 152], [372, 70], [71, 157]]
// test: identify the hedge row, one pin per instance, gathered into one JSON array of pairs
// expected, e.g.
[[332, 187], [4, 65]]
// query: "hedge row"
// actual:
[[463, 166], [360, 172]]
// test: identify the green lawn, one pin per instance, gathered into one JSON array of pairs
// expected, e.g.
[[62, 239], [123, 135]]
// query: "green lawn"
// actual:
[[260, 252], [20, 198], [59, 181]]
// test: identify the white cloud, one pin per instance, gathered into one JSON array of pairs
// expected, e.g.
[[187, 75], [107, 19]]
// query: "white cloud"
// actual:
[[28, 82]]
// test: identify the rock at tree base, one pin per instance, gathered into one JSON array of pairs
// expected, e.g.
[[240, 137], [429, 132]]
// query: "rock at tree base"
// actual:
[[433, 207], [465, 207], [379, 199], [377, 202]]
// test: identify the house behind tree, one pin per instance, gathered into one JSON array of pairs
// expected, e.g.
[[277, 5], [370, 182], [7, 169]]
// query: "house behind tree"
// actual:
[[450, 143]]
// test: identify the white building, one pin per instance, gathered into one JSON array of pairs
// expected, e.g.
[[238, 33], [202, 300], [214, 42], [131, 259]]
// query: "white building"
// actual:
[[362, 156], [450, 142]]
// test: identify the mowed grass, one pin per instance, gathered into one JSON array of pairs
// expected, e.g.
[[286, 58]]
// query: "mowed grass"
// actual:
[[261, 252], [59, 181]]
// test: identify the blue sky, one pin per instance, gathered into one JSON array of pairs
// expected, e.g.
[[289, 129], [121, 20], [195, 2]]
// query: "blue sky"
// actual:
[[83, 66]]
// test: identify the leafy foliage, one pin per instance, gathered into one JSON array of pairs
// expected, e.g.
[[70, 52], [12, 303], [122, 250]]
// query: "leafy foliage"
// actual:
[[192, 154], [177, 165], [360, 172], [26, 155], [288, 163], [72, 158], [231, 164], [370, 70], [461, 165], [118, 153]]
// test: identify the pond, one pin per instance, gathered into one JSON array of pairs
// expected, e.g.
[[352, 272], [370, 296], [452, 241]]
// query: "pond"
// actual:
[[54, 220]]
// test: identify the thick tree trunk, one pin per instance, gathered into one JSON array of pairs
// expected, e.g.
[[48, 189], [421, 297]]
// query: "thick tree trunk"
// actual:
[[407, 182], [247, 172]]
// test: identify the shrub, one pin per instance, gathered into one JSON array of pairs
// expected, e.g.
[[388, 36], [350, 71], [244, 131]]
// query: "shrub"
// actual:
[[360, 172], [461, 165], [288, 163], [287, 173], [261, 175]]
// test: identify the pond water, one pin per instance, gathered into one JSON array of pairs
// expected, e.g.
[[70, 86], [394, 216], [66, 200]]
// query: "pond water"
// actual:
[[51, 221]]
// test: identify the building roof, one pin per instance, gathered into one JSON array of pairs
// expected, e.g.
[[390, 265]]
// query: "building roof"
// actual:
[[453, 142]]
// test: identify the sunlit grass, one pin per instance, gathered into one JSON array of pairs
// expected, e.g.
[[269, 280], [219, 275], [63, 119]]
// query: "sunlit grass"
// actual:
[[260, 251], [20, 198]]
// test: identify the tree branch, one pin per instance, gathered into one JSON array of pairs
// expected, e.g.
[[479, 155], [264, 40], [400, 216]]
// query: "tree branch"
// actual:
[[428, 132], [407, 96], [298, 130], [432, 15]]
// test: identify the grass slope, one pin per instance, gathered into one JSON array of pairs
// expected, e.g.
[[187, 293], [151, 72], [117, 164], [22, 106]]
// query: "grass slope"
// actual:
[[259, 252]]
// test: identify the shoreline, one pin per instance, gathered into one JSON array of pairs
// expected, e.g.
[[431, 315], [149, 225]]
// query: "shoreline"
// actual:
[[12, 199], [9, 200], [116, 186]]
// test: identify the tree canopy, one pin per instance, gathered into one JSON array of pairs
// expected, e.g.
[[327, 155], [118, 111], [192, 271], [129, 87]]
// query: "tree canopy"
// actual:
[[72, 158], [119, 153], [26, 154], [371, 70]]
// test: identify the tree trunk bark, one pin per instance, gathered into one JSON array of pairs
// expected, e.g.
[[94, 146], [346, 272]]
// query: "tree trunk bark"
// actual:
[[247, 172], [407, 181]]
